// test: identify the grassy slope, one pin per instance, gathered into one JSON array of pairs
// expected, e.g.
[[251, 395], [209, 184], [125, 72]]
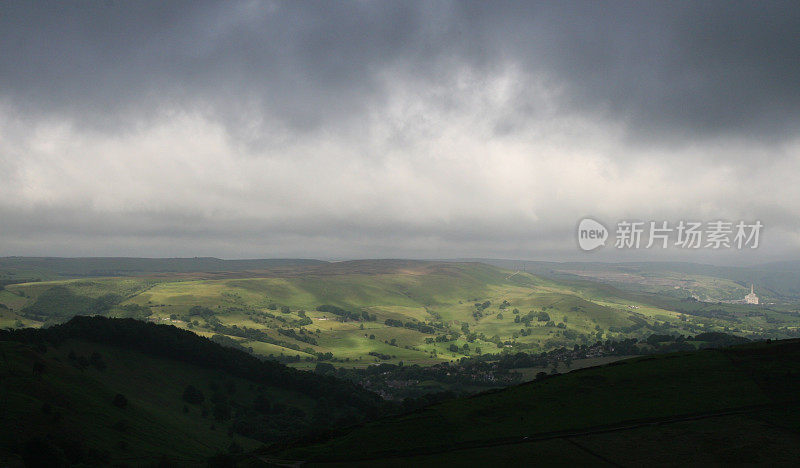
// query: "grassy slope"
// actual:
[[400, 290], [716, 406], [419, 291]]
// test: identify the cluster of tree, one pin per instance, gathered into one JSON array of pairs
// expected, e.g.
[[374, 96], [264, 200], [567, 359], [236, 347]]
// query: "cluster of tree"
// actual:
[[302, 336], [255, 334], [508, 360], [381, 356], [346, 314], [259, 316], [303, 322], [421, 327], [569, 334], [203, 312], [626, 347], [393, 323], [455, 349], [542, 316], [400, 382], [9, 281], [526, 319], [441, 339], [229, 342], [60, 302], [477, 314], [313, 356]]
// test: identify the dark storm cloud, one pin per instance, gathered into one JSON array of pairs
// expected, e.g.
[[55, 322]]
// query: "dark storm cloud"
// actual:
[[405, 129], [664, 69], [684, 69], [302, 62]]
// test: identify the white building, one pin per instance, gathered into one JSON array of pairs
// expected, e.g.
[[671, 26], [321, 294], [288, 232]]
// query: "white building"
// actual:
[[751, 298]]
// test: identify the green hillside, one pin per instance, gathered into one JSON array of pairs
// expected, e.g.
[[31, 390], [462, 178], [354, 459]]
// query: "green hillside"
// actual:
[[738, 405], [364, 312], [103, 391]]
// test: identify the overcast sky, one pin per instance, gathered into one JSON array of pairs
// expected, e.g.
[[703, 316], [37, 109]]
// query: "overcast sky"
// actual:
[[394, 129]]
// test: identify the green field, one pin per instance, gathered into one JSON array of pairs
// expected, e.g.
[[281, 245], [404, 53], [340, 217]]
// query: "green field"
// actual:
[[410, 311]]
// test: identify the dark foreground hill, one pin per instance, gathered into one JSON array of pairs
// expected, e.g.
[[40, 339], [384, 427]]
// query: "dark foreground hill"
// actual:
[[105, 391], [100, 391], [730, 406]]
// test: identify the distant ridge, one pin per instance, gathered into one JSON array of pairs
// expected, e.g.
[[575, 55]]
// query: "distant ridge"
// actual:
[[779, 279], [122, 266]]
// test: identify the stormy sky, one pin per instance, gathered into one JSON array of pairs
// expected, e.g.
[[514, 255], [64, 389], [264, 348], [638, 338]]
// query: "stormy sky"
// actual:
[[394, 129]]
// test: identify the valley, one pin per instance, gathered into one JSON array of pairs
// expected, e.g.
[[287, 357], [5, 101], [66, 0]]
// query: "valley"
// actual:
[[355, 314]]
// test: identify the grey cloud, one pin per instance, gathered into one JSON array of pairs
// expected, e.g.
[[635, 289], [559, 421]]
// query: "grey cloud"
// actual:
[[675, 70], [388, 128]]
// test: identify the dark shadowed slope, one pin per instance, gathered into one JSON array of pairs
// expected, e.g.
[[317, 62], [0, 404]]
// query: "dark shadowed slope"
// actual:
[[666, 409], [97, 390]]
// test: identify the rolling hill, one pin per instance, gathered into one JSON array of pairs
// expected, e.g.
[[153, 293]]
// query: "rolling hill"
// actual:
[[359, 313]]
